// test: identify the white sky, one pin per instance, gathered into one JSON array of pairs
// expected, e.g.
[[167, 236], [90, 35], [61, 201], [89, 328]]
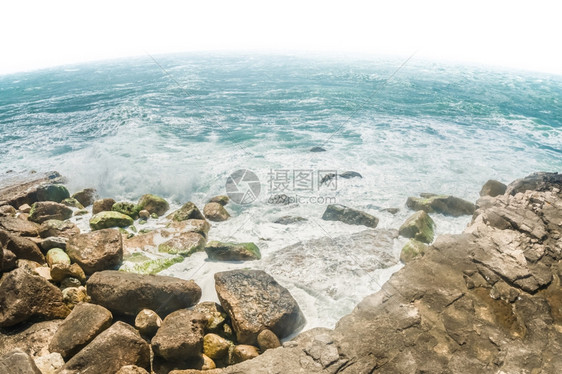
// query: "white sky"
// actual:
[[518, 34]]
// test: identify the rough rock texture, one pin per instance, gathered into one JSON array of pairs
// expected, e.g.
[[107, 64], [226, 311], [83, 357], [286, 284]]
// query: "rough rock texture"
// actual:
[[214, 314], [19, 226], [350, 216], [187, 211], [46, 210], [25, 296], [97, 250], [221, 199], [540, 181], [215, 212], [59, 272], [485, 301], [102, 205], [154, 204], [18, 362], [128, 293], [255, 301], [148, 322], [243, 352], [22, 248], [105, 220], [62, 229], [444, 204], [52, 192], [232, 251], [53, 242], [7, 210], [131, 369], [185, 244], [268, 340], [181, 336], [72, 202], [411, 250], [419, 226], [200, 226], [34, 338], [81, 326], [493, 188], [49, 363], [118, 346], [86, 197], [289, 220], [216, 347], [23, 190], [127, 208]]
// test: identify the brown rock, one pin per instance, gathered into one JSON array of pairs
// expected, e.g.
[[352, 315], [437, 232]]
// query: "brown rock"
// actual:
[[254, 302], [19, 226], [25, 296], [86, 196], [8, 260], [200, 226], [221, 199], [25, 208], [185, 244], [268, 340], [33, 338], [46, 210], [103, 205], [61, 271], [188, 211], [493, 188], [97, 250], [215, 212], [216, 347], [180, 337], [132, 369], [7, 210], [243, 352], [148, 322], [74, 295], [128, 293], [81, 326], [21, 191], [18, 362], [63, 229], [23, 248], [126, 347], [44, 271], [214, 314]]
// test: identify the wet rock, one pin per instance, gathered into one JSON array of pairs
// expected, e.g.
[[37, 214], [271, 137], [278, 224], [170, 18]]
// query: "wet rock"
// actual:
[[180, 337], [52, 192], [187, 211], [19, 226], [24, 191], [25, 296], [128, 209], [18, 362], [148, 322], [268, 340], [243, 352], [97, 250], [128, 294], [493, 188], [53, 242], [419, 226], [144, 214], [46, 210], [154, 204], [289, 220], [411, 250], [104, 220], [215, 212], [103, 205], [63, 229], [345, 175], [139, 263], [350, 216], [72, 202], [86, 197], [82, 325], [126, 347], [57, 256], [221, 199], [255, 301], [216, 347], [444, 204], [317, 149], [185, 244], [220, 251], [22, 248], [391, 210]]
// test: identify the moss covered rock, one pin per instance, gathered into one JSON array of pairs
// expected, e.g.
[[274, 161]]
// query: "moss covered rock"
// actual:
[[232, 251], [216, 347], [142, 264], [104, 220], [444, 204], [154, 204], [188, 211], [52, 192], [72, 202], [411, 250], [126, 208], [215, 212], [419, 226], [57, 256]]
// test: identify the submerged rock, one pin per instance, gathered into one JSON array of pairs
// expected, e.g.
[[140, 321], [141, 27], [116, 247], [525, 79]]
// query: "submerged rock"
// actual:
[[255, 301], [154, 204], [104, 220], [215, 212], [96, 250], [188, 211], [288, 220], [128, 294], [220, 251], [350, 216], [419, 226], [444, 204], [46, 210], [317, 149]]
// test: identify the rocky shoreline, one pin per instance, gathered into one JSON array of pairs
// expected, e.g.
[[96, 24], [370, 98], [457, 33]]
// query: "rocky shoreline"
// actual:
[[487, 300]]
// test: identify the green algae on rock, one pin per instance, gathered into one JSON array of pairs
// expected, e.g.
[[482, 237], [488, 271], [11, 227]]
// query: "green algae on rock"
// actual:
[[154, 204], [419, 226], [142, 264], [232, 251], [126, 208], [412, 249], [106, 219]]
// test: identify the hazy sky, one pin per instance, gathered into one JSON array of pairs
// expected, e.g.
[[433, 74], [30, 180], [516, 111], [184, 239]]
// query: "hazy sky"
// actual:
[[519, 34]]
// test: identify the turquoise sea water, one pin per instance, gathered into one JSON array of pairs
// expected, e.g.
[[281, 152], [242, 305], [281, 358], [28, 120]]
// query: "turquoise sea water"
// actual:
[[130, 127]]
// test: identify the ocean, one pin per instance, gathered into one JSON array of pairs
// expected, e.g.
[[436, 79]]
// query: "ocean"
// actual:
[[180, 125]]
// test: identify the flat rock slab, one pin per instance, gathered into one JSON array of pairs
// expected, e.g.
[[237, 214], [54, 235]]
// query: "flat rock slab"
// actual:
[[255, 301], [97, 250], [18, 362], [128, 293], [19, 226], [118, 346]]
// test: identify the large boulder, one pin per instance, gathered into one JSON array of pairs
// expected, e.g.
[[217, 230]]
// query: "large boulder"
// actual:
[[118, 346], [444, 204], [52, 192], [215, 212], [188, 211], [19, 226], [46, 210], [540, 181], [26, 296], [97, 250], [220, 251], [63, 229], [22, 248], [181, 336], [128, 293], [102, 205], [105, 220], [493, 188], [18, 362], [154, 204], [82, 325], [86, 197], [350, 216], [419, 226], [255, 301], [20, 191], [185, 244]]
